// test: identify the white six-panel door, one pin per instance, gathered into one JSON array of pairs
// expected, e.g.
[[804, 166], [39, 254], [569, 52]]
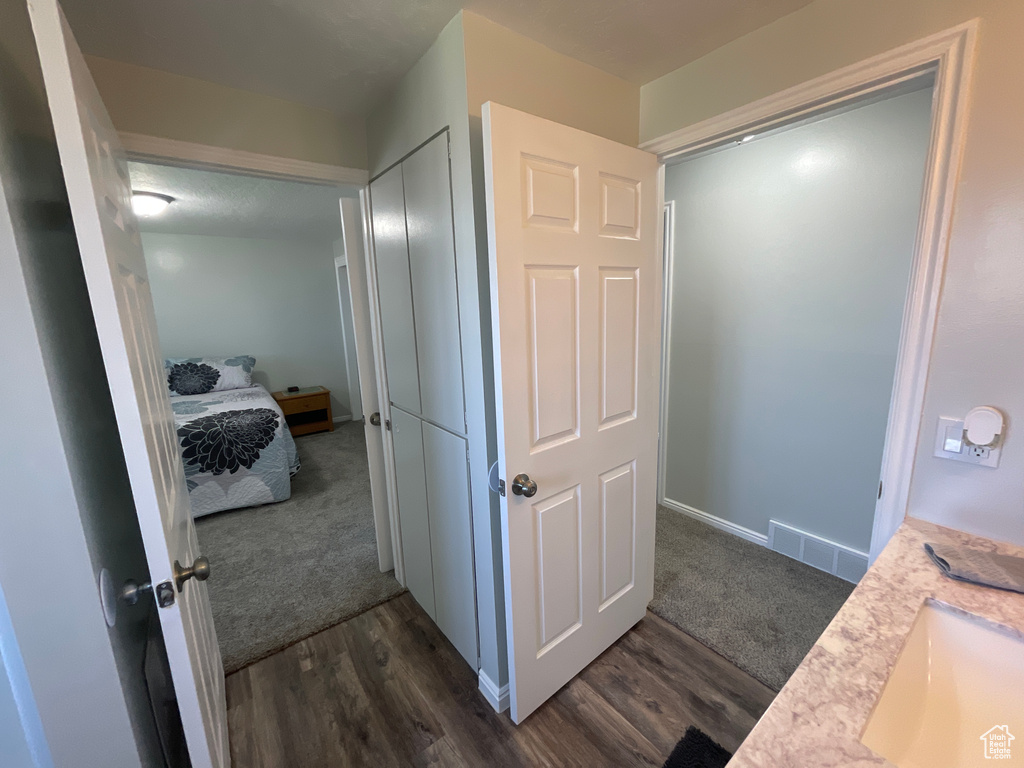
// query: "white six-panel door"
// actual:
[[96, 176], [576, 307]]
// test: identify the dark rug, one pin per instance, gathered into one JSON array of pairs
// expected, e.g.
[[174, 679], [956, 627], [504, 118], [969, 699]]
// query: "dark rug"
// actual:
[[697, 750], [282, 572], [761, 610]]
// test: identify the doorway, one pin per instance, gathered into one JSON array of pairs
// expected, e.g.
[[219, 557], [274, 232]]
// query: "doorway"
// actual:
[[249, 279], [789, 260]]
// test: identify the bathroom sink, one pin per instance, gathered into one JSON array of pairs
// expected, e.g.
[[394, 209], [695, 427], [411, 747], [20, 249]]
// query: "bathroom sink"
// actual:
[[957, 689]]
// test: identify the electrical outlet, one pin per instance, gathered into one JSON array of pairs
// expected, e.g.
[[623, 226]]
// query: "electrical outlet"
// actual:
[[950, 443], [980, 452]]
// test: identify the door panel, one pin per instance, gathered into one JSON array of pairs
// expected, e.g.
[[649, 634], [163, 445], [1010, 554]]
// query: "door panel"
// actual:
[[98, 188], [575, 291], [451, 538], [394, 289], [410, 478], [428, 214]]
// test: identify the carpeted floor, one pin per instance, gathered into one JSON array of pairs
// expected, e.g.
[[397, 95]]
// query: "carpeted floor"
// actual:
[[759, 609], [282, 572]]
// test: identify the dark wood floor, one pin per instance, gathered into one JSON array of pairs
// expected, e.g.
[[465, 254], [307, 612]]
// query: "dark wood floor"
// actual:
[[387, 689]]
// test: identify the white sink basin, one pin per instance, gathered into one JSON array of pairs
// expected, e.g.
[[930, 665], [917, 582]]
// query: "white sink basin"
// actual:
[[957, 678]]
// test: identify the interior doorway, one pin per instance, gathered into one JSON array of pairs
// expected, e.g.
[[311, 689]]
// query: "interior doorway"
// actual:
[[250, 283], [791, 253]]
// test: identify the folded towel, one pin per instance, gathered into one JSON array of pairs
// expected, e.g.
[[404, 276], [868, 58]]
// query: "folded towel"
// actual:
[[977, 567]]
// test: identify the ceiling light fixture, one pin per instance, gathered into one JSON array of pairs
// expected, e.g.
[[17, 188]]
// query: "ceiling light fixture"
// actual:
[[748, 137], [150, 203]]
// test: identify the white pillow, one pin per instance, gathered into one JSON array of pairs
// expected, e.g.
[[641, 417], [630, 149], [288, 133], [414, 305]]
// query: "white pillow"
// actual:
[[199, 375]]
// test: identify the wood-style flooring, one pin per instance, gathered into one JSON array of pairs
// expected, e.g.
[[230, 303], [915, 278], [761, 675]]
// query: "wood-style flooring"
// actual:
[[387, 689]]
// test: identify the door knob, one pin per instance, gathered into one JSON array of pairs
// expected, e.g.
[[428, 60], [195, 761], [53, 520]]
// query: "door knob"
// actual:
[[522, 485], [375, 419], [200, 569]]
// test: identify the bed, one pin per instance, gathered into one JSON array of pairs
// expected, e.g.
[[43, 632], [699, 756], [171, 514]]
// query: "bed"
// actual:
[[234, 443]]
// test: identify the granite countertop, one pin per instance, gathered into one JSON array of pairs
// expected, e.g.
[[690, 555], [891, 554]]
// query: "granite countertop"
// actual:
[[818, 717]]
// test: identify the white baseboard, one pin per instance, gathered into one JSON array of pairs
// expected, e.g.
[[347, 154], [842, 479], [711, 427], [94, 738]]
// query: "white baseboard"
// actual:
[[716, 522], [341, 419], [496, 697]]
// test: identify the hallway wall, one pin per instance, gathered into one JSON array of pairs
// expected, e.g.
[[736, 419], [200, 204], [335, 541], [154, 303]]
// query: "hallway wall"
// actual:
[[791, 264]]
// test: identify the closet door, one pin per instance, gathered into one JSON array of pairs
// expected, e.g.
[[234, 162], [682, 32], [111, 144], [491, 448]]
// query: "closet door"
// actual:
[[435, 293], [410, 479], [451, 538], [394, 288]]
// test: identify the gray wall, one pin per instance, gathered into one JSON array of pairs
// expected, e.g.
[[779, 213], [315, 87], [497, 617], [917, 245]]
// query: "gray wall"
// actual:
[[276, 300], [67, 507], [791, 265]]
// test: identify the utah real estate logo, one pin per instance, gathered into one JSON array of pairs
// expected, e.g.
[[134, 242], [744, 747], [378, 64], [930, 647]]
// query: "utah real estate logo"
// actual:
[[997, 742]]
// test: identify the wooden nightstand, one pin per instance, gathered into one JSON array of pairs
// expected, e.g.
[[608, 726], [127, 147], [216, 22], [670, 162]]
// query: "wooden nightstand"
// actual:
[[306, 411]]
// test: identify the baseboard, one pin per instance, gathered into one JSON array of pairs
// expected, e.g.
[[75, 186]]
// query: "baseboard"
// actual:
[[342, 419], [716, 522], [496, 697]]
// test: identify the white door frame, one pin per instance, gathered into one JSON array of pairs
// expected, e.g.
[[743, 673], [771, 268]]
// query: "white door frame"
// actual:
[[950, 55], [380, 371]]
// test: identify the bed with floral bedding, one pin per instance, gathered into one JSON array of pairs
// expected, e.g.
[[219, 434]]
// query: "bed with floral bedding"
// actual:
[[233, 439]]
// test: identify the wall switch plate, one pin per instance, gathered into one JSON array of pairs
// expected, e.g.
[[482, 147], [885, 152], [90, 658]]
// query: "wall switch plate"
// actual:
[[950, 444]]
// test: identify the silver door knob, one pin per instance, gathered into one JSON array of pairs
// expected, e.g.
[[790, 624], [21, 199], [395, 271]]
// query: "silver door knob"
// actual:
[[200, 569], [375, 418], [522, 485]]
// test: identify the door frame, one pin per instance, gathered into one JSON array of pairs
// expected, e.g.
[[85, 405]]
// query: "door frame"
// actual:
[[950, 55]]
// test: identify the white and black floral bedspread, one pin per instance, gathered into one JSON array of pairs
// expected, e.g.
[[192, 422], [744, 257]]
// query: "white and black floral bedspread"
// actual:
[[236, 448]]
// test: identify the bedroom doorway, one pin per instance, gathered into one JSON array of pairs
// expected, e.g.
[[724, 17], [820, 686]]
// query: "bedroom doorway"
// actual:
[[250, 281]]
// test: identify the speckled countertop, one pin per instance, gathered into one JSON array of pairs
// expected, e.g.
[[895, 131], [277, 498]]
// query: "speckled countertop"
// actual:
[[818, 717]]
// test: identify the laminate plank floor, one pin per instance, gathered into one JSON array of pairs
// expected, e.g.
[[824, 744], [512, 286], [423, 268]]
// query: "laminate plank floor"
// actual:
[[386, 688]]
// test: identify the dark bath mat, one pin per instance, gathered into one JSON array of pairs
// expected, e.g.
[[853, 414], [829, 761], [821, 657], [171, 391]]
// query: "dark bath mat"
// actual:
[[697, 750]]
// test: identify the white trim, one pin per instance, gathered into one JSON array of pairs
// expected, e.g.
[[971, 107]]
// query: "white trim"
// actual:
[[380, 371], [715, 522], [342, 419], [139, 146], [496, 697], [950, 55], [668, 249]]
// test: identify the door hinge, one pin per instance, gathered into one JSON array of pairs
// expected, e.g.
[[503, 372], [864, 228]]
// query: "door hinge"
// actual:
[[879, 489], [501, 487], [164, 592], [387, 424]]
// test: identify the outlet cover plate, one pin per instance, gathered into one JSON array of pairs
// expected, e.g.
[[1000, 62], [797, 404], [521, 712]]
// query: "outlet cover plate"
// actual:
[[949, 444]]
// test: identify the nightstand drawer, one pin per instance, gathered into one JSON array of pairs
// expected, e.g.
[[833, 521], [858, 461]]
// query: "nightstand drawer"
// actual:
[[302, 404]]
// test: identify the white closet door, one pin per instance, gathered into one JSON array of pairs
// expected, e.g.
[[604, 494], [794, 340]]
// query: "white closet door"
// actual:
[[411, 481], [451, 538], [394, 289], [435, 293]]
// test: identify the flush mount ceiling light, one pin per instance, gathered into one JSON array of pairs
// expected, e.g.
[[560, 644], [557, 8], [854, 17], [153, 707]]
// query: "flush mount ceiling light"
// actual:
[[150, 203]]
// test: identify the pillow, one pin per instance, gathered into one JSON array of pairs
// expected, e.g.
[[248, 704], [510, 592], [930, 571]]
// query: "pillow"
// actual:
[[199, 375]]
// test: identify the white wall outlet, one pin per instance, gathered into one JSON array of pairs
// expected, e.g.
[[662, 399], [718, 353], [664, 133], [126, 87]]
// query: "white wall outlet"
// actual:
[[950, 444]]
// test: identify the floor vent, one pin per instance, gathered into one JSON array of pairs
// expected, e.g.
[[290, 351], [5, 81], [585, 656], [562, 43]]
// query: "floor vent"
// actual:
[[825, 555]]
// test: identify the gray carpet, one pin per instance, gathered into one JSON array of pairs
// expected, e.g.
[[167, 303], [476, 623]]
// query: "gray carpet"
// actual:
[[282, 572], [759, 609]]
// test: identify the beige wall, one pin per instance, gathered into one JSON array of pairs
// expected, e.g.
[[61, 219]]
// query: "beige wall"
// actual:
[[157, 103], [978, 356], [518, 72]]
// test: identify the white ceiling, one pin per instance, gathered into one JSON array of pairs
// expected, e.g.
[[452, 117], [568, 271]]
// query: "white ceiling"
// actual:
[[214, 203], [345, 56]]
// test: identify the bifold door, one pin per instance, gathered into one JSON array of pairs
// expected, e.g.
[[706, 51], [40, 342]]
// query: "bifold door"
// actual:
[[418, 299]]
